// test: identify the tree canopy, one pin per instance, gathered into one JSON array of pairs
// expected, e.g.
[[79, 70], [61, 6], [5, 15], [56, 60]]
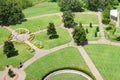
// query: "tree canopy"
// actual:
[[79, 35], [9, 49], [73, 5], [10, 12], [68, 19], [51, 31], [97, 4]]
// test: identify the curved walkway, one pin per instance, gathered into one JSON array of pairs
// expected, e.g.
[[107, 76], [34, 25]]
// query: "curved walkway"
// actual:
[[67, 71]]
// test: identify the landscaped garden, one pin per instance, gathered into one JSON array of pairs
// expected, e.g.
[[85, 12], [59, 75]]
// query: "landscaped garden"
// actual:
[[86, 18], [50, 43], [22, 56], [106, 59], [4, 35], [64, 58], [39, 23], [68, 76]]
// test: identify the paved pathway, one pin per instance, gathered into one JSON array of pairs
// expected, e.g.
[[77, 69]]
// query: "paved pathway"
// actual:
[[39, 16], [67, 71], [90, 63], [20, 74], [1, 45], [101, 25]]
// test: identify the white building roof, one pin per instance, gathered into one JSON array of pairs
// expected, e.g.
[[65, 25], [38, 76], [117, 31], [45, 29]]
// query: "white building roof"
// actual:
[[114, 13]]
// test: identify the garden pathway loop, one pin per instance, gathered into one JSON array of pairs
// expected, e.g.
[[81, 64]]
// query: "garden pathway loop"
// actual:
[[67, 71]]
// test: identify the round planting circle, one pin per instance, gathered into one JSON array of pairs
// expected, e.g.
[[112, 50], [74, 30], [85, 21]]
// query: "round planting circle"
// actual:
[[67, 75], [20, 34]]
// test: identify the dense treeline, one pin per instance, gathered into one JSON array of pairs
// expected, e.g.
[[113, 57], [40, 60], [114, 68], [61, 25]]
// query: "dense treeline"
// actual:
[[10, 12]]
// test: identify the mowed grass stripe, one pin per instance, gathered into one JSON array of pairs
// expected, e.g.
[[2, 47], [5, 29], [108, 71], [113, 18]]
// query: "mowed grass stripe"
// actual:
[[39, 23], [47, 43], [106, 59], [86, 18], [4, 34], [42, 8], [67, 57]]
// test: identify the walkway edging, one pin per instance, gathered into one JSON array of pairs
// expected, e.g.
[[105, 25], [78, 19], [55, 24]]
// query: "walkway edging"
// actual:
[[67, 71]]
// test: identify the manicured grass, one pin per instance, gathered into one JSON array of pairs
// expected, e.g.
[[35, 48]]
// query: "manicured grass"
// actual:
[[4, 34], [47, 43], [67, 57], [42, 8], [24, 54], [106, 59], [91, 34], [86, 18], [68, 76], [40, 23]]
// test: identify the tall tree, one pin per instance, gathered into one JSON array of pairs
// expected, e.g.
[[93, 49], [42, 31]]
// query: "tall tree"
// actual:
[[10, 12], [68, 19], [79, 35], [9, 49], [73, 5], [97, 4], [51, 31]]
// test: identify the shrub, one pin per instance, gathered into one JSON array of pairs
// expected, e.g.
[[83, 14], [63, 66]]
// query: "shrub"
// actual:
[[108, 28], [118, 38], [105, 20], [11, 73], [96, 34], [90, 25], [97, 29], [32, 36], [116, 2], [87, 31]]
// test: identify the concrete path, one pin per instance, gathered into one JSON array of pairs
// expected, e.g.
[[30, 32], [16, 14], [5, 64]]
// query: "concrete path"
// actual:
[[1, 45], [90, 63], [101, 26], [39, 16], [67, 71], [20, 74]]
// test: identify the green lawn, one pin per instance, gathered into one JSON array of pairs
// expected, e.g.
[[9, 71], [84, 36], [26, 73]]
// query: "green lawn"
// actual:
[[40, 23], [67, 57], [4, 34], [24, 54], [91, 34], [86, 18], [67, 76], [42, 8], [47, 43], [106, 59]]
